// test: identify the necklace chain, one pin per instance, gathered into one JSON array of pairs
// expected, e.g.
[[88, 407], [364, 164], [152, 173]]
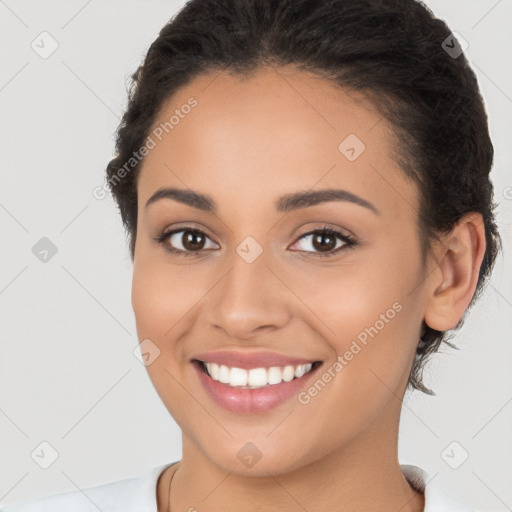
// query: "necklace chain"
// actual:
[[169, 491]]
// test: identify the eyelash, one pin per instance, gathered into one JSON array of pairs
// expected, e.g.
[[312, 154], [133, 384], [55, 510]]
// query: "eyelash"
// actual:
[[348, 240]]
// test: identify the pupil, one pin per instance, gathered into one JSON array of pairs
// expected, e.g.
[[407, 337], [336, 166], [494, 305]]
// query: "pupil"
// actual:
[[324, 237], [190, 241]]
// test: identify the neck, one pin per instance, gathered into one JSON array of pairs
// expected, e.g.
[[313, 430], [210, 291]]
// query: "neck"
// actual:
[[364, 475]]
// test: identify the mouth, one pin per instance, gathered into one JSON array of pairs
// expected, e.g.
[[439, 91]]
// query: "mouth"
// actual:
[[255, 378], [251, 382]]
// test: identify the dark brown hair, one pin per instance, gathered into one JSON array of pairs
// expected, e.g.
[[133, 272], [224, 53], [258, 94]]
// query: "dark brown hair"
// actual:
[[395, 52]]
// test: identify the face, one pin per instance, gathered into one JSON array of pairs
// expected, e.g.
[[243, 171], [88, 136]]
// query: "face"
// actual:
[[248, 276]]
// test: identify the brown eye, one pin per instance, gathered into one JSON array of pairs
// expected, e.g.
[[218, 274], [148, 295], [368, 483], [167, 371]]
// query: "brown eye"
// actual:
[[192, 240], [185, 242], [325, 242]]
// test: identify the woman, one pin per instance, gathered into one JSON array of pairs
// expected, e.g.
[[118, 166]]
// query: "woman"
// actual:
[[305, 186]]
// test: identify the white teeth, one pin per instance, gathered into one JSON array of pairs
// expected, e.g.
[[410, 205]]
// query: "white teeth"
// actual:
[[223, 374], [215, 371], [238, 377], [288, 373], [255, 377], [275, 376], [300, 370]]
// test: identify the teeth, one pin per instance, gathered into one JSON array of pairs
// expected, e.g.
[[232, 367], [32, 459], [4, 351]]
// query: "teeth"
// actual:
[[300, 370], [223, 373], [255, 377], [275, 375], [238, 377], [288, 373]]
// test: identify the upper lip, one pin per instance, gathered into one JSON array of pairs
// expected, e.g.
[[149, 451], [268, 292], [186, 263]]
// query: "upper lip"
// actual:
[[248, 360]]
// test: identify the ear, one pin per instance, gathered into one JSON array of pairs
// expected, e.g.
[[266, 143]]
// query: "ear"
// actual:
[[453, 280]]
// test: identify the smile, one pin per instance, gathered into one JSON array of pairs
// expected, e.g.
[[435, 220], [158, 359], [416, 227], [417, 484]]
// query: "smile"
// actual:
[[253, 390], [255, 378]]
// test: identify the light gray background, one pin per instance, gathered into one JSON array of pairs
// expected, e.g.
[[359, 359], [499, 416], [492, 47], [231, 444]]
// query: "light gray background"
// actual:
[[67, 372]]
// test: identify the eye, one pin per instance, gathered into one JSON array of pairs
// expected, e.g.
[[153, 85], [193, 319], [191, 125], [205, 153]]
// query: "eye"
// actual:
[[325, 241], [192, 241], [189, 241]]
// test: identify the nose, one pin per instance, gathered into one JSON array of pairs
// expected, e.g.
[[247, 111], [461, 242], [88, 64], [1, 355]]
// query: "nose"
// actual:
[[249, 300]]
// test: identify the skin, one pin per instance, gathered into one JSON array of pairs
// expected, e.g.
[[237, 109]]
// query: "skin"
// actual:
[[248, 142]]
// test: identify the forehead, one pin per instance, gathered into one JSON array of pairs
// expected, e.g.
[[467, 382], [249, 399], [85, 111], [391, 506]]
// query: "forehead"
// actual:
[[276, 130]]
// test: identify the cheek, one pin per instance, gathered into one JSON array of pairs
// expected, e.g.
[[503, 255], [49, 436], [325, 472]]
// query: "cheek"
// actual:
[[160, 302], [162, 295], [369, 318], [371, 335], [158, 305], [373, 345]]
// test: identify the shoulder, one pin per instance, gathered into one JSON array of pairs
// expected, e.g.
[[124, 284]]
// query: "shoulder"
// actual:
[[436, 500], [128, 495]]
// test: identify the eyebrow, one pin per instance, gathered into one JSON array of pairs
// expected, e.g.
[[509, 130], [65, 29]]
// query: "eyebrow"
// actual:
[[286, 203]]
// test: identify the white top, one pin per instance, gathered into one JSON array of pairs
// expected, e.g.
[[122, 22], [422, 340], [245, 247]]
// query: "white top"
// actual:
[[139, 495]]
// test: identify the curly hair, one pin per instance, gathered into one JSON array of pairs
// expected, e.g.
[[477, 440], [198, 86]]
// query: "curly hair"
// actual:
[[395, 52]]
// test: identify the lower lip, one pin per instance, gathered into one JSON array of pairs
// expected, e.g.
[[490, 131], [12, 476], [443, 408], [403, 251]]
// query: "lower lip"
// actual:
[[251, 401]]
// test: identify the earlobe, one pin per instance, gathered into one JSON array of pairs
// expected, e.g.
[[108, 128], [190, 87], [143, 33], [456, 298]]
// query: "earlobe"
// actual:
[[454, 282]]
